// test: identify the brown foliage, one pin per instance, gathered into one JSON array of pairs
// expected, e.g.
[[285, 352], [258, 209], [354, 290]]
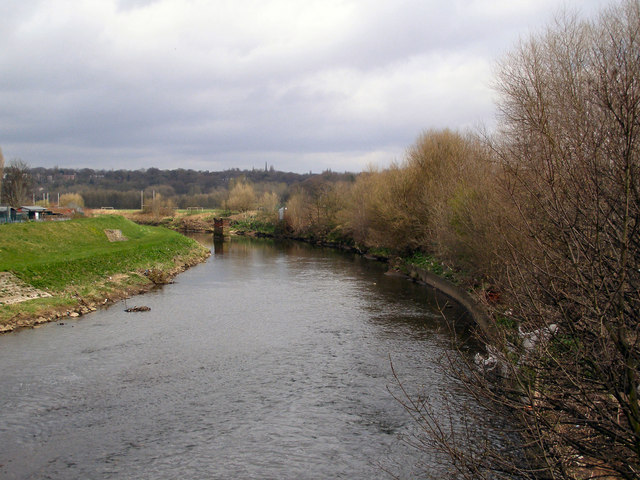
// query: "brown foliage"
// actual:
[[72, 200], [159, 207], [548, 212], [16, 187], [443, 199], [570, 146], [315, 207], [242, 196]]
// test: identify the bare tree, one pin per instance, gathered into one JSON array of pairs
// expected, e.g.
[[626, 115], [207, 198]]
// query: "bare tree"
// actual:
[[17, 183], [1, 172], [242, 196], [570, 144], [565, 360]]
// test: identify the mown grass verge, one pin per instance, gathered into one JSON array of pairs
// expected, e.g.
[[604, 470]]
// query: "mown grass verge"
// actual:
[[76, 263]]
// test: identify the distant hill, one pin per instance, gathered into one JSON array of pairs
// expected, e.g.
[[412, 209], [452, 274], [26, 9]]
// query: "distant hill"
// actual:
[[121, 188], [180, 180]]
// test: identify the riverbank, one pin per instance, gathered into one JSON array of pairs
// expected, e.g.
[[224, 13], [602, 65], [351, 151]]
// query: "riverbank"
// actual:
[[268, 330], [56, 270], [418, 267], [179, 221]]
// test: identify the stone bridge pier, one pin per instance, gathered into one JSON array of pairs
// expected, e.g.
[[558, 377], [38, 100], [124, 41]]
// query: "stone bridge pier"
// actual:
[[221, 228]]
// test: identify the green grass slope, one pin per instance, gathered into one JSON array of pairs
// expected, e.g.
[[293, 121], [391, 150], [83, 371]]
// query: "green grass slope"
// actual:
[[77, 257]]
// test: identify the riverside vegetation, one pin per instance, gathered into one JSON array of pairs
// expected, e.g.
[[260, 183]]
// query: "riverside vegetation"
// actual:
[[540, 220], [79, 267]]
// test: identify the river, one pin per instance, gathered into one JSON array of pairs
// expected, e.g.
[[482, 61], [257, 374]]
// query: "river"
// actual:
[[270, 360]]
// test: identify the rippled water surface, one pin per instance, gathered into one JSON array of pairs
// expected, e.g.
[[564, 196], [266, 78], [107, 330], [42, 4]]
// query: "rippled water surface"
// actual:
[[268, 361]]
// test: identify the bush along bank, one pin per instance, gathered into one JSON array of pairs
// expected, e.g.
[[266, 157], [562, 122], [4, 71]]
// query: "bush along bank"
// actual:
[[540, 219], [540, 222], [55, 269]]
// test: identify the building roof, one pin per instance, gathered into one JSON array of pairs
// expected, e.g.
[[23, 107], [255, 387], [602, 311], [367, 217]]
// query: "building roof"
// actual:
[[33, 208]]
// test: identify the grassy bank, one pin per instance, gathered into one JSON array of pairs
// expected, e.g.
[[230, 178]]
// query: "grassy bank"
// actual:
[[79, 266], [251, 222], [177, 220]]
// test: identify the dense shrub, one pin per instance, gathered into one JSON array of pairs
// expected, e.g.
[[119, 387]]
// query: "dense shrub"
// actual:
[[71, 200], [546, 212], [242, 196]]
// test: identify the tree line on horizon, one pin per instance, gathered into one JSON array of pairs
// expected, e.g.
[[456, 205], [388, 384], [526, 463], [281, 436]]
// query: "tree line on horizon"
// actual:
[[121, 189]]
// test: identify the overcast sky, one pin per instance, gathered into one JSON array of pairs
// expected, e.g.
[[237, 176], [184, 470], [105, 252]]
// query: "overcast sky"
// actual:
[[304, 85]]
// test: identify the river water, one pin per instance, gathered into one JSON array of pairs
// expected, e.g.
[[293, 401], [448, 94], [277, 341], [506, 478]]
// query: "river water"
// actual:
[[270, 360]]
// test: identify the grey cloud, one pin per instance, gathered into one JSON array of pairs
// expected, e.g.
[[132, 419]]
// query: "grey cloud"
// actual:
[[97, 88]]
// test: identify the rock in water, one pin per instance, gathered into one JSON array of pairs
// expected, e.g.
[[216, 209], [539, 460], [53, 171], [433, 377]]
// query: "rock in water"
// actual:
[[142, 308]]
